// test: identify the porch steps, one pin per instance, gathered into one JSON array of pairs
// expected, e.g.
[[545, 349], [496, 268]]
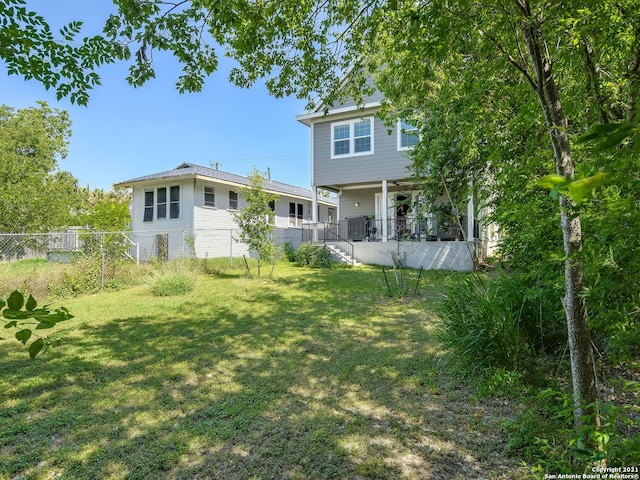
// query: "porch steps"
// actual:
[[341, 256]]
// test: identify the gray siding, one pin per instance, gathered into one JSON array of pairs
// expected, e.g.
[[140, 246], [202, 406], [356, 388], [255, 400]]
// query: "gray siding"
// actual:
[[376, 97], [366, 200], [386, 163]]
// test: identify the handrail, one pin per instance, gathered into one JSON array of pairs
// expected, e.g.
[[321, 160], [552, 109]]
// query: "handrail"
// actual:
[[330, 235]]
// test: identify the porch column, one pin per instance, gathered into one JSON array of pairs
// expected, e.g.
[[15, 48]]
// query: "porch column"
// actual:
[[314, 213], [384, 212], [470, 216]]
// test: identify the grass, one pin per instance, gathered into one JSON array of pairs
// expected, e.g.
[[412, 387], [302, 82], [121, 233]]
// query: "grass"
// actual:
[[312, 374]]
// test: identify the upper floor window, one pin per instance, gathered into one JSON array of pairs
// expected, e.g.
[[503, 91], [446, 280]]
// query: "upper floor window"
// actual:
[[352, 137], [407, 135], [233, 200], [209, 197], [160, 202], [148, 205], [174, 202]]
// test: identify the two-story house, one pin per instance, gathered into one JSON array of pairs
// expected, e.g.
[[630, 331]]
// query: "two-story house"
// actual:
[[354, 155], [189, 211]]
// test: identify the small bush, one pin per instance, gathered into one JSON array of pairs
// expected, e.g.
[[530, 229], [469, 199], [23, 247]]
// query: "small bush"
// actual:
[[171, 279], [289, 251], [314, 256]]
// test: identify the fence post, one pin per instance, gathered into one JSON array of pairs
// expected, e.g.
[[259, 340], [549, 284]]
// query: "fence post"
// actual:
[[102, 260], [137, 253], [231, 247]]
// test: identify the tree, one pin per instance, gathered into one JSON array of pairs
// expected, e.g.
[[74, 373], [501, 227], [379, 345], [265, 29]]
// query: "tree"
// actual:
[[255, 220], [35, 195], [106, 211]]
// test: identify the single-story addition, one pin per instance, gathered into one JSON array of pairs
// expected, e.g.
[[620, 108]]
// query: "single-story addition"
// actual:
[[187, 211]]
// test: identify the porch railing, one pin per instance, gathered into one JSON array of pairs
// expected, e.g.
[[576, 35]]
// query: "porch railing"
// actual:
[[365, 229]]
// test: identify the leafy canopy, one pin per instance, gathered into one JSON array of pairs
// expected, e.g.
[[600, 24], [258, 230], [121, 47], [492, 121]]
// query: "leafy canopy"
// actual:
[[35, 195]]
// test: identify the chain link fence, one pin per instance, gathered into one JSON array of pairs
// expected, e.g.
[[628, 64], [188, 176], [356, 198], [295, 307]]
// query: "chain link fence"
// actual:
[[104, 249], [74, 244]]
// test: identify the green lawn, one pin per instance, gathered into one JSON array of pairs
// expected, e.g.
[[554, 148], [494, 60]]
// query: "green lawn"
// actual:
[[312, 374]]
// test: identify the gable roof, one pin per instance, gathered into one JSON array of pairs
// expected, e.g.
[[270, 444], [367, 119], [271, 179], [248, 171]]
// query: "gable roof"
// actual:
[[322, 109], [191, 170]]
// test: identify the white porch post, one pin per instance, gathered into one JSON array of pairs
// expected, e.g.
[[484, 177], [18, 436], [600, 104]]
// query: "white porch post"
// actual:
[[385, 211], [470, 217], [314, 213]]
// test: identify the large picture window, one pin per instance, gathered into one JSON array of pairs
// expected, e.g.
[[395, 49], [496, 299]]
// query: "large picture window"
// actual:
[[352, 137], [161, 202]]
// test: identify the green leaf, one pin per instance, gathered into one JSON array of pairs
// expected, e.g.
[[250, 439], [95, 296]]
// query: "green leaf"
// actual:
[[35, 348], [23, 335], [11, 324], [15, 314], [551, 181], [15, 301], [31, 304], [44, 324], [582, 189], [2, 304]]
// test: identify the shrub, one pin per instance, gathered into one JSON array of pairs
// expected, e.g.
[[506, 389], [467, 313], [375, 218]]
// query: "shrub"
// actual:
[[498, 322], [289, 251], [314, 256], [171, 279]]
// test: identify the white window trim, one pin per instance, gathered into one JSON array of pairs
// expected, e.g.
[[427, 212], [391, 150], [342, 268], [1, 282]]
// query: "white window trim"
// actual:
[[399, 136], [351, 124]]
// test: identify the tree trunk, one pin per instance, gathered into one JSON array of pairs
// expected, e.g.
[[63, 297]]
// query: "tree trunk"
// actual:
[[582, 365]]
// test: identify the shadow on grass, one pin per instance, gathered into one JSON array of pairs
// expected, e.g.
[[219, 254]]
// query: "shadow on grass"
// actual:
[[311, 376]]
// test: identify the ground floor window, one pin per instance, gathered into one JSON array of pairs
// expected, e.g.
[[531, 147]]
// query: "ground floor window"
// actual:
[[296, 214]]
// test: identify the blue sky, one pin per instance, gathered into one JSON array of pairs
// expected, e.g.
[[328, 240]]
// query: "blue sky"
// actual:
[[126, 132]]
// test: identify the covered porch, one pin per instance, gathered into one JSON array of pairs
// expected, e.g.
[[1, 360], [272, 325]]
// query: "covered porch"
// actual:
[[376, 220], [392, 210]]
